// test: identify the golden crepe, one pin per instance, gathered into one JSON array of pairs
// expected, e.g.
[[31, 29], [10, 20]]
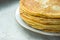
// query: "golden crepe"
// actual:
[[46, 8], [41, 14]]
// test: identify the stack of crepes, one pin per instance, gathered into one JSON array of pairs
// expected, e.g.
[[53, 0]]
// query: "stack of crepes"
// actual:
[[43, 15]]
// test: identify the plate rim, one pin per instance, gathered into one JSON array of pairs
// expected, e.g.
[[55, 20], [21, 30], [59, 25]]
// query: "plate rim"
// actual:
[[23, 24]]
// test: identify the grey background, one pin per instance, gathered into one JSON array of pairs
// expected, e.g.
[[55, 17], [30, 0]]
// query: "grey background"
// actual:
[[10, 29]]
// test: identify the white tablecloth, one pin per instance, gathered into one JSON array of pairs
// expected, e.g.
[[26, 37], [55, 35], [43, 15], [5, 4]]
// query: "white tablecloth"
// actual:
[[11, 30]]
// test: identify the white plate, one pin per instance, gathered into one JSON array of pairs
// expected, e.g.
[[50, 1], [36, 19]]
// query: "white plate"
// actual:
[[23, 24]]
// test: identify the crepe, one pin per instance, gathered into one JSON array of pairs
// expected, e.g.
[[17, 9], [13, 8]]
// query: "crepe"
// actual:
[[49, 9]]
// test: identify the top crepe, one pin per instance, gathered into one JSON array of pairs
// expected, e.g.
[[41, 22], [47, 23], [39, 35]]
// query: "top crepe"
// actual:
[[47, 8]]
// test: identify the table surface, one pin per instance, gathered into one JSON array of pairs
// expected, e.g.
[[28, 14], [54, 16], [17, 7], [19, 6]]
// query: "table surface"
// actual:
[[11, 30]]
